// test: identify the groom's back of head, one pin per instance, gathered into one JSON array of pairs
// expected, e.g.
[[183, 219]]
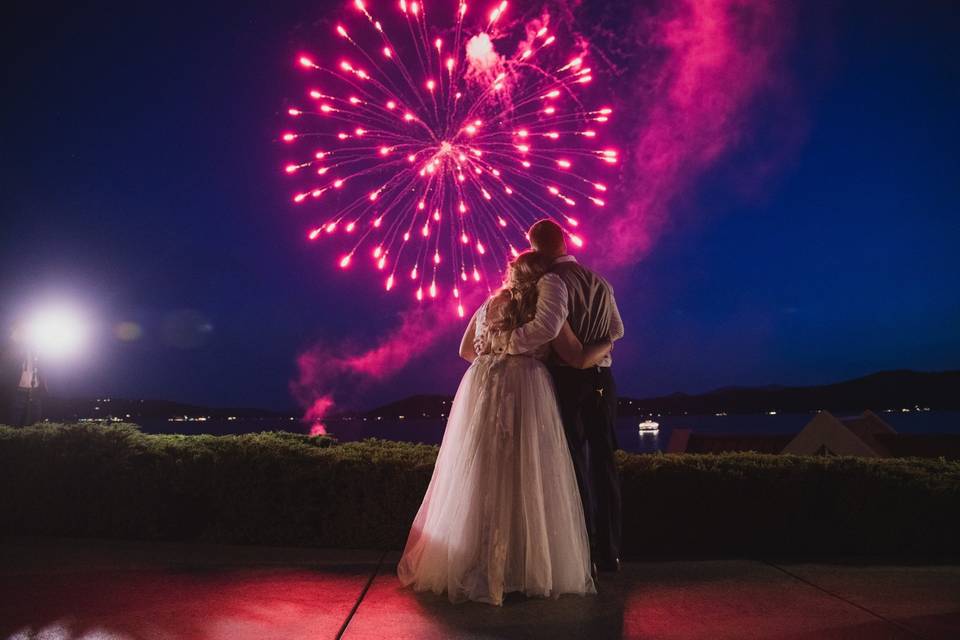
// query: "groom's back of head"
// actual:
[[546, 237]]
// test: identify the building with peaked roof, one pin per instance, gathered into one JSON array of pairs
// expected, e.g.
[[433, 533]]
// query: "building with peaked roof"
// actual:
[[854, 436], [865, 435]]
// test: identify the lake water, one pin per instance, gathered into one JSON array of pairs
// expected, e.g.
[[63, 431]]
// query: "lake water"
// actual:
[[430, 431]]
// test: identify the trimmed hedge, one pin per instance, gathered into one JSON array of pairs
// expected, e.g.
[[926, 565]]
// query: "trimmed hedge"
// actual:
[[282, 488]]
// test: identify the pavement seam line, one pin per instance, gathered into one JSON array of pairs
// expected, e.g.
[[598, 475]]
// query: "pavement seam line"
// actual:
[[363, 592], [899, 625]]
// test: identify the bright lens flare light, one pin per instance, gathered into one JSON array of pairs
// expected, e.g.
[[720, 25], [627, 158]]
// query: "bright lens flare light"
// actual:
[[431, 154], [56, 332]]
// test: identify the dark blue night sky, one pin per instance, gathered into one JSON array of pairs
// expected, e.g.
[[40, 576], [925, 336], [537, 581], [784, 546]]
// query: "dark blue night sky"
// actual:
[[140, 175]]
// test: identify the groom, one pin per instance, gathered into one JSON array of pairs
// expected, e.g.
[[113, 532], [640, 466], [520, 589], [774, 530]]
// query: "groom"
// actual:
[[572, 293]]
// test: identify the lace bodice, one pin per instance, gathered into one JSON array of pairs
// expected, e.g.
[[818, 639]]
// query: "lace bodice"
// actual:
[[487, 341]]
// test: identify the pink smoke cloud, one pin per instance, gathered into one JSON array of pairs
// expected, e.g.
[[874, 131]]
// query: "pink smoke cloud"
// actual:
[[328, 373], [319, 407], [717, 58], [483, 59]]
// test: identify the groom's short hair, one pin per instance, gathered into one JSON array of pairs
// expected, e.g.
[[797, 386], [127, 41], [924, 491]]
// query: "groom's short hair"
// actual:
[[546, 236]]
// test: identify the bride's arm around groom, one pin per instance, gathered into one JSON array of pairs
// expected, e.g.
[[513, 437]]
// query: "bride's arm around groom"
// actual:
[[548, 321]]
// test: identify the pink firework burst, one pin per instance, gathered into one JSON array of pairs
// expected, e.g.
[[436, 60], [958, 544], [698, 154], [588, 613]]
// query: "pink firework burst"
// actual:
[[431, 158]]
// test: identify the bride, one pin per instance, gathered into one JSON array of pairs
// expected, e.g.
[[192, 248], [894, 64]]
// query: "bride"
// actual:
[[502, 512]]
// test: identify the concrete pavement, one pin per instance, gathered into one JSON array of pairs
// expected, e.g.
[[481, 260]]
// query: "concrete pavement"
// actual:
[[98, 589]]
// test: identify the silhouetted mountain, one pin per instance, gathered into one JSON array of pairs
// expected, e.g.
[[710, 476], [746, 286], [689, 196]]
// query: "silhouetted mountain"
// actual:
[[419, 406], [127, 409], [878, 391]]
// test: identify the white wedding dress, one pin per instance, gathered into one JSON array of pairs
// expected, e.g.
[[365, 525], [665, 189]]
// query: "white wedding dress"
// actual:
[[502, 512]]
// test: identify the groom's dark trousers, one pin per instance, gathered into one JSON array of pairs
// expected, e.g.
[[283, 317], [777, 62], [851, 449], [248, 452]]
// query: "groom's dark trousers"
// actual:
[[588, 407]]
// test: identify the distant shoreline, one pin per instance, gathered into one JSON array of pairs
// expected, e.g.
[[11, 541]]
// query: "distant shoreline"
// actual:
[[883, 392]]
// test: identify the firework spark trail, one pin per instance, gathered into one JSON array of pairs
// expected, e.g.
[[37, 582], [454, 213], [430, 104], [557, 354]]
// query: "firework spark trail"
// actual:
[[446, 155], [720, 56]]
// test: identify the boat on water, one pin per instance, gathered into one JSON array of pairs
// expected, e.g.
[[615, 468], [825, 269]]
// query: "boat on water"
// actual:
[[648, 426]]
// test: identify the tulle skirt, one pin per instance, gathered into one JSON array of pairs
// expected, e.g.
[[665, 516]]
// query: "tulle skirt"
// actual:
[[502, 512]]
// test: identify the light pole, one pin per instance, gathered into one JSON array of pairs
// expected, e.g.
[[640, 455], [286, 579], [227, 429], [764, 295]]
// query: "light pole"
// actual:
[[50, 333]]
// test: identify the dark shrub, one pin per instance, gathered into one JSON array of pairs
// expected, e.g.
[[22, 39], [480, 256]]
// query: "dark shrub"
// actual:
[[282, 488]]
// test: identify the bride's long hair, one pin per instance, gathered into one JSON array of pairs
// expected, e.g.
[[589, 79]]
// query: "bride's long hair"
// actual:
[[519, 290]]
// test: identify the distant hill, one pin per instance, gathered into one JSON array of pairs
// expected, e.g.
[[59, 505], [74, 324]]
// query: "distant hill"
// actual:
[[419, 406], [127, 409], [878, 391]]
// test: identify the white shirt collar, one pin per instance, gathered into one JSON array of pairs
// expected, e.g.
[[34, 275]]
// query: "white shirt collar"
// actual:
[[566, 258]]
